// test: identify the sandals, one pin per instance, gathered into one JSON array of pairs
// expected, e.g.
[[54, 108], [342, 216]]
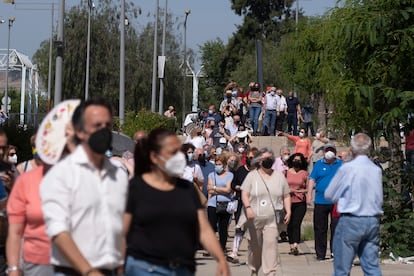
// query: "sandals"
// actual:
[[294, 251]]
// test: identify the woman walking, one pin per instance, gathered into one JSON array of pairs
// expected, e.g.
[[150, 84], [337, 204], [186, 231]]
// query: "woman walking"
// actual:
[[265, 193], [220, 194], [297, 178], [164, 217]]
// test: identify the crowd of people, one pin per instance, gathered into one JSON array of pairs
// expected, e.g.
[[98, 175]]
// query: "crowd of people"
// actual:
[[79, 211]]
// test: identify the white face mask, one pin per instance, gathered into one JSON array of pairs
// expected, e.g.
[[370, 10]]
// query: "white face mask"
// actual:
[[241, 150], [13, 159], [286, 157], [301, 134], [318, 135], [175, 165], [329, 155]]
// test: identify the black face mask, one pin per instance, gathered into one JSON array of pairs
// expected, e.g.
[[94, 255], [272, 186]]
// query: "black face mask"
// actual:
[[267, 163], [100, 141], [202, 160], [249, 162], [296, 164]]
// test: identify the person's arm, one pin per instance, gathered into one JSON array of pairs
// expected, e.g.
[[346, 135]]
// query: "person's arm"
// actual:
[[311, 185], [287, 205], [224, 190], [70, 251], [125, 229], [210, 187], [246, 203], [209, 241], [13, 245], [198, 176]]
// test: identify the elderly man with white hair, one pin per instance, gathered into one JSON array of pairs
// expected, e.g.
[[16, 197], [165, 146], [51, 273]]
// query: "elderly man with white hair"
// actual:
[[357, 189]]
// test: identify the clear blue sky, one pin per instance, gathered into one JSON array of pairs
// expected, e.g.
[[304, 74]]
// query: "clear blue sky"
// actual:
[[208, 20]]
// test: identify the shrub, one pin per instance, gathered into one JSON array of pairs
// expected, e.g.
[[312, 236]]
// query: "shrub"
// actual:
[[144, 120]]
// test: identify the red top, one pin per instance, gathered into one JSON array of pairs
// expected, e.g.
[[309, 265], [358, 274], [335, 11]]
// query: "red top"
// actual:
[[297, 181], [303, 146], [409, 140], [24, 206]]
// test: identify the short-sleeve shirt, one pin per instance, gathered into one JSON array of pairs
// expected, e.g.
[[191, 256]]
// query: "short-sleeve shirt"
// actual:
[[192, 169], [292, 103], [322, 173], [256, 95], [297, 181], [259, 197], [219, 181], [164, 226]]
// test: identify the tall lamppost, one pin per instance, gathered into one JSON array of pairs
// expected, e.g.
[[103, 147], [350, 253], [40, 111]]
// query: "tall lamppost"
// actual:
[[6, 91], [187, 12], [154, 60], [88, 49], [122, 65]]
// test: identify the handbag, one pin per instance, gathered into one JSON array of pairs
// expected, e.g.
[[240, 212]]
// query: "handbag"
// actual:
[[232, 206], [279, 213], [221, 207]]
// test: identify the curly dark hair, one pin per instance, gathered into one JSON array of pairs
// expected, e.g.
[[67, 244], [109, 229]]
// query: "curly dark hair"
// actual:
[[304, 165]]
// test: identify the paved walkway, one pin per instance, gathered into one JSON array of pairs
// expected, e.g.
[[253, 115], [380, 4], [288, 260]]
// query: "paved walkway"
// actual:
[[303, 265]]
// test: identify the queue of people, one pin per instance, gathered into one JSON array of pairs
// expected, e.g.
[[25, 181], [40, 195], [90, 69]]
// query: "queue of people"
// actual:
[[80, 214]]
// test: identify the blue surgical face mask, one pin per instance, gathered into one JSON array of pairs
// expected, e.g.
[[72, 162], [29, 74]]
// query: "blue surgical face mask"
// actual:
[[108, 153], [219, 169], [190, 156], [231, 164]]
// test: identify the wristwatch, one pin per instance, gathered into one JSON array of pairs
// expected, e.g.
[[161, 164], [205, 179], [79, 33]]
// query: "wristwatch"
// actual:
[[11, 268]]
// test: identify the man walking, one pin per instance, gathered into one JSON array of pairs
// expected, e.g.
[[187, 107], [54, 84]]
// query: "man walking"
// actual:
[[357, 188], [322, 173], [293, 110], [83, 199], [270, 108]]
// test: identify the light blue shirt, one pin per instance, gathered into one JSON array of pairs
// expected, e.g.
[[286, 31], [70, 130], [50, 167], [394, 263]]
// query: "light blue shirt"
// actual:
[[357, 187], [220, 181]]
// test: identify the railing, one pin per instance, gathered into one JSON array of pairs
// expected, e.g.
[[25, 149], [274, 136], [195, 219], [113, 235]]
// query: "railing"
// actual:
[[24, 120]]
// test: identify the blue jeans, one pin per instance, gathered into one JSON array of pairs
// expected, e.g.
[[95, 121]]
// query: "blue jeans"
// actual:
[[269, 122], [254, 113], [356, 235], [136, 267], [292, 123]]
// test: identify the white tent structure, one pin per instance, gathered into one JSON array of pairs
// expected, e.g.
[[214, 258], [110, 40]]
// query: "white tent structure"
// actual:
[[29, 76]]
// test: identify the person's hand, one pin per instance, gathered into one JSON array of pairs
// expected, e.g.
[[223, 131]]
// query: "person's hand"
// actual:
[[286, 219], [249, 213], [8, 179], [14, 273], [96, 273], [237, 187], [223, 268], [309, 199]]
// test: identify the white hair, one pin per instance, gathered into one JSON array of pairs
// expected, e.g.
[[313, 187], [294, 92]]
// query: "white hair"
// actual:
[[361, 144]]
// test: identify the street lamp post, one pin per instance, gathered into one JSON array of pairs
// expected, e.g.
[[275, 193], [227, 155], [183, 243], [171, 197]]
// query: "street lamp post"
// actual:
[[154, 60], [6, 91], [122, 66], [187, 12], [59, 54], [88, 49]]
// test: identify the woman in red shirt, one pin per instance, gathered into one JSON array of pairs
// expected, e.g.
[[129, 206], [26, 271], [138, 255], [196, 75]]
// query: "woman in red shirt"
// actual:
[[297, 178], [302, 143]]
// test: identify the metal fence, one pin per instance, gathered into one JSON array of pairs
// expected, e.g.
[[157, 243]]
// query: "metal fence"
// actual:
[[24, 120]]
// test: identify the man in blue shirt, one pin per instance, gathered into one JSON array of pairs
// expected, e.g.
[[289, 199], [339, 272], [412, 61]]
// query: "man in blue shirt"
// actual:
[[357, 188], [322, 173]]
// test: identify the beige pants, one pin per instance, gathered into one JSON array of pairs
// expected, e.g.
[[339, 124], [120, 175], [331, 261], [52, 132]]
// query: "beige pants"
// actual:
[[262, 248]]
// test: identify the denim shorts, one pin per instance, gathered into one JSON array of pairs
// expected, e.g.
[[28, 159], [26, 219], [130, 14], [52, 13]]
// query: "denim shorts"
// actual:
[[136, 267]]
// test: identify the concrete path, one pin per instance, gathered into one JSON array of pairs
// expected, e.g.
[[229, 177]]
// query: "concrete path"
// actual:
[[303, 265]]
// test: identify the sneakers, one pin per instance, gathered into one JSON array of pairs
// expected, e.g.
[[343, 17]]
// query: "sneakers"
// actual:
[[232, 258]]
